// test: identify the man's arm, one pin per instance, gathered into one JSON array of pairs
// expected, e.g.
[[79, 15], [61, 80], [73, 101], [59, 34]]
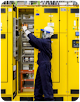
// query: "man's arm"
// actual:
[[35, 42], [33, 45]]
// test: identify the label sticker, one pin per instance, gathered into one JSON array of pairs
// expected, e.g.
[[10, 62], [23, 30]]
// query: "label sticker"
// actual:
[[37, 14], [76, 14], [1, 24], [50, 15], [74, 23], [63, 9], [14, 68], [50, 24], [10, 9]]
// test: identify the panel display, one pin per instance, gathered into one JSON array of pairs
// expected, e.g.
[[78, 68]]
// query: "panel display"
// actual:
[[75, 43]]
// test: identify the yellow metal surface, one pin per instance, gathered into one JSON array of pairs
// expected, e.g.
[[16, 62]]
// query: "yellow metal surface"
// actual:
[[45, 19], [7, 60], [62, 84], [63, 19], [10, 19], [4, 60], [55, 19], [73, 65], [55, 71], [3, 47]]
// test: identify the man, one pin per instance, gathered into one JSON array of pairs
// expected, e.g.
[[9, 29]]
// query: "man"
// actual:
[[43, 82]]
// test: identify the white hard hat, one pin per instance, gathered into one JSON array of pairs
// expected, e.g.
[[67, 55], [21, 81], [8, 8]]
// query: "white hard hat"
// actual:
[[48, 29]]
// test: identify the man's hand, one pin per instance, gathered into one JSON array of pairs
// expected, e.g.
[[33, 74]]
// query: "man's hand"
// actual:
[[24, 28], [26, 32]]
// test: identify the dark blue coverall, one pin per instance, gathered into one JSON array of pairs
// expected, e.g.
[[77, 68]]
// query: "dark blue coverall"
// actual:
[[43, 82]]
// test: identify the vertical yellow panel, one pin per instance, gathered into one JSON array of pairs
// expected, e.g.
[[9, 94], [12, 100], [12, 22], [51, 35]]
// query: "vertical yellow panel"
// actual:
[[63, 19], [65, 98], [55, 19], [10, 19], [78, 38], [10, 63], [62, 84], [73, 65], [14, 14], [55, 59], [6, 55], [63, 62], [4, 67]]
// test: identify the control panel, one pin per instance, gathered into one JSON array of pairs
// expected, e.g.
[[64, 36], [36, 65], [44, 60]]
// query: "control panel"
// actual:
[[75, 43]]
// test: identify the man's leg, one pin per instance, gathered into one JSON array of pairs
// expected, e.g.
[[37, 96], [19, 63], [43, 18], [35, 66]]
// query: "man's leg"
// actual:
[[38, 88], [45, 74]]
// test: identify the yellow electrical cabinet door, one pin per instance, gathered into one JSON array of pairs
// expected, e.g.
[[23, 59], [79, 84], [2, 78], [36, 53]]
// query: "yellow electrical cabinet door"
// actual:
[[3, 45], [73, 50], [4, 60], [8, 84], [63, 19]]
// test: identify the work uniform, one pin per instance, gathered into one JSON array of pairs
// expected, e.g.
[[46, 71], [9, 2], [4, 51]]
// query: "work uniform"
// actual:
[[43, 82]]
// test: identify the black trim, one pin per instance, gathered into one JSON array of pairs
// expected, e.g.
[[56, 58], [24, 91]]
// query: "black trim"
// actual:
[[58, 99], [14, 75], [2, 36], [50, 10], [31, 98], [55, 91], [74, 98], [74, 10], [74, 91], [3, 91], [3, 10], [55, 36], [14, 95], [26, 98], [6, 98], [14, 9]]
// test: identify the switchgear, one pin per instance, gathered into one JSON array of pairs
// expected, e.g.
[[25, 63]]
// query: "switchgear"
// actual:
[[18, 74]]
